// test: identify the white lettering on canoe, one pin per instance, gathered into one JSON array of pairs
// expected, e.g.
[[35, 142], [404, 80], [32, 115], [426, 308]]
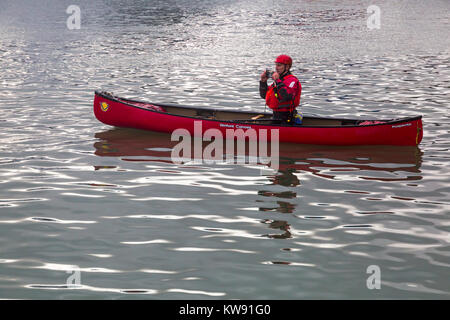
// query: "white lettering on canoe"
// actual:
[[242, 127], [226, 125], [402, 125]]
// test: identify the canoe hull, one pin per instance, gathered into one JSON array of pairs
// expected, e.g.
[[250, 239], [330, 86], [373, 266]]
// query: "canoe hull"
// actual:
[[126, 113]]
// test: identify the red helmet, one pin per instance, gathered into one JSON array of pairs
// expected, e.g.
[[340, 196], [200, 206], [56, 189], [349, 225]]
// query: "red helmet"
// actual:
[[284, 59]]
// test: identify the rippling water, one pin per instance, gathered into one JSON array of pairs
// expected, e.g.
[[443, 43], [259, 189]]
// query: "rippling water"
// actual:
[[108, 203]]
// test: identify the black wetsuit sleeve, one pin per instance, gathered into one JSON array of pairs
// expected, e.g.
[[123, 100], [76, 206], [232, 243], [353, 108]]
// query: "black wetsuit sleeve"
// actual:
[[262, 89]]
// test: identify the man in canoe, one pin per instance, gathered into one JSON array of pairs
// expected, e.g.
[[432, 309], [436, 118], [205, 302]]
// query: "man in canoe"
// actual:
[[283, 95]]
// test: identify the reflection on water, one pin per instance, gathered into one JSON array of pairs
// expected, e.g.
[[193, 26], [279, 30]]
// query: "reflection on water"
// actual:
[[383, 163], [328, 162], [281, 225]]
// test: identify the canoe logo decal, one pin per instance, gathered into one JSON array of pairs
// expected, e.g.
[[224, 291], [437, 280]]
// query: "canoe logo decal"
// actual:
[[104, 106]]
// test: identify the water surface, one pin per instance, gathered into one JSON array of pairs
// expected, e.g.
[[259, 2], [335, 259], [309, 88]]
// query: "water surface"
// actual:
[[77, 195]]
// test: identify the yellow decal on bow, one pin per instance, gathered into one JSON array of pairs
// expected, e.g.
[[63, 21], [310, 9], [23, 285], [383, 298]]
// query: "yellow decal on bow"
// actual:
[[104, 106]]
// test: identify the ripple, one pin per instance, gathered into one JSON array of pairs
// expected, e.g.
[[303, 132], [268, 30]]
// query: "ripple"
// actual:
[[158, 271], [53, 220], [229, 233], [288, 263], [192, 249], [167, 199], [54, 286], [147, 242], [358, 226], [216, 218], [17, 202], [198, 292], [73, 194], [8, 261], [90, 288], [47, 219], [101, 255], [138, 291], [415, 287], [72, 268]]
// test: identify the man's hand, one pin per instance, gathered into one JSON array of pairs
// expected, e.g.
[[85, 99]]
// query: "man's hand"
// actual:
[[275, 76], [264, 77]]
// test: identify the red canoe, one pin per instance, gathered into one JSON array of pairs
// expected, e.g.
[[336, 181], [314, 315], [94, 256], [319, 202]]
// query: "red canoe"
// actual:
[[121, 112]]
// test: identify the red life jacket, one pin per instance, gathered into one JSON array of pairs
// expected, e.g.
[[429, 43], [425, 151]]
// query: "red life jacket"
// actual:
[[285, 106]]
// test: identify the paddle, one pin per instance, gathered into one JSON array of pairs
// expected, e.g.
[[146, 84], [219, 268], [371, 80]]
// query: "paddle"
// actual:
[[257, 117]]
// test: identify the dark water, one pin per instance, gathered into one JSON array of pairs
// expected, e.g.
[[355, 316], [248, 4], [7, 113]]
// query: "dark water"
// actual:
[[79, 196]]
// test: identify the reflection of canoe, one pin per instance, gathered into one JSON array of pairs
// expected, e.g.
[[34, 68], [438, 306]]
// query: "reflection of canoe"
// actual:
[[323, 161], [127, 113]]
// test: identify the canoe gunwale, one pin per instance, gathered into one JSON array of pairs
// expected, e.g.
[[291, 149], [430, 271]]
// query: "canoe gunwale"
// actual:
[[129, 102]]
